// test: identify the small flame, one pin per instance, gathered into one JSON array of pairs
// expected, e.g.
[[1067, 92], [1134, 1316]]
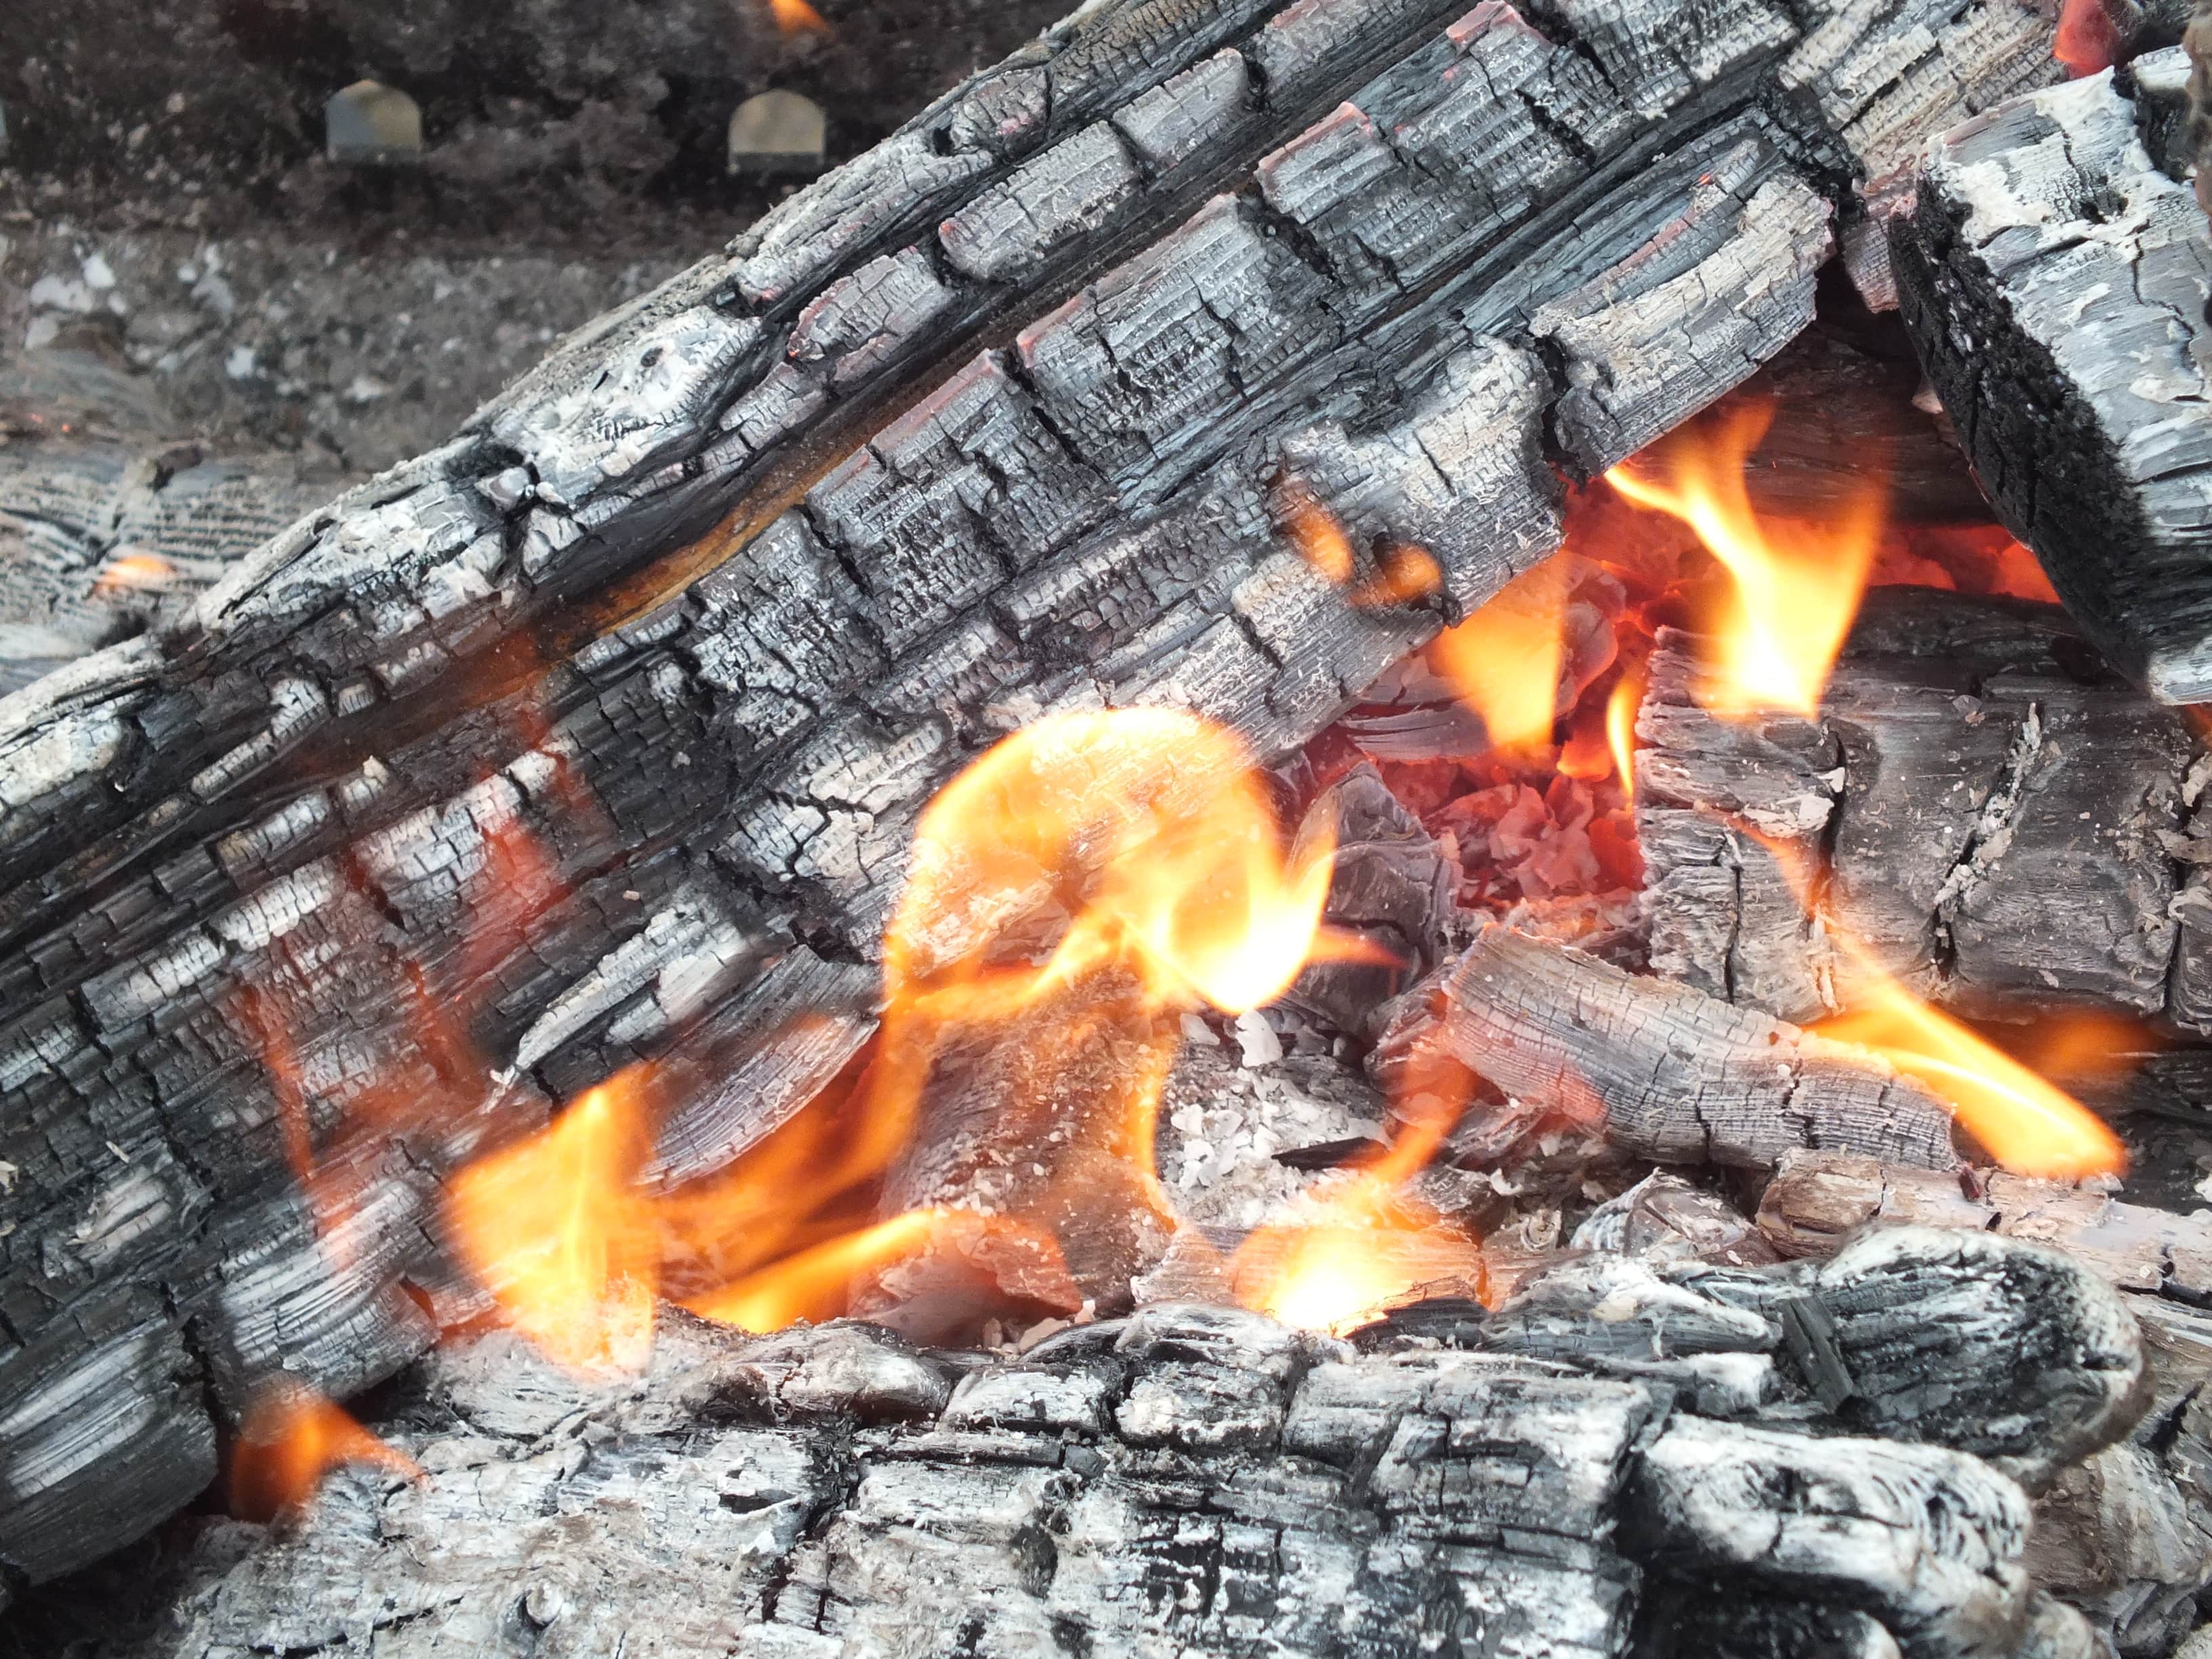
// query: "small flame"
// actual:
[[797, 17], [2088, 39], [1796, 586], [2027, 1124], [1318, 534], [1404, 573], [291, 1439], [1504, 660], [1360, 1250], [134, 573], [552, 1229], [813, 1283], [1621, 729]]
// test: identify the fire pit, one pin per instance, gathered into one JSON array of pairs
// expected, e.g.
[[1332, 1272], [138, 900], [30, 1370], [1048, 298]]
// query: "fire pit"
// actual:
[[1262, 850]]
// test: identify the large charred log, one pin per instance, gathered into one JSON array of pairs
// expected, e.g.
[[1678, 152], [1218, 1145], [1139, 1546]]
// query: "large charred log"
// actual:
[[2055, 272], [990, 422], [1204, 1478]]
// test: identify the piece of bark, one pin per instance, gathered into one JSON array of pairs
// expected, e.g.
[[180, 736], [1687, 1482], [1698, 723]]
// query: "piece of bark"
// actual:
[[712, 602], [1672, 1073], [2055, 281], [1197, 1477], [102, 541], [1981, 806]]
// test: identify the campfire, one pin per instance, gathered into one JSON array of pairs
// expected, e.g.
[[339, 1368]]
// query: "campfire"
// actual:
[[1272, 848]]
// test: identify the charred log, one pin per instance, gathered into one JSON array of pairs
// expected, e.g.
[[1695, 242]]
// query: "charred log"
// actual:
[[2054, 273], [1672, 1073], [1997, 819], [1203, 1477]]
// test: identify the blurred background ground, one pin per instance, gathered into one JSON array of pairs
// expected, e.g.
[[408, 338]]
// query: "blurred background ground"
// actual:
[[172, 235]]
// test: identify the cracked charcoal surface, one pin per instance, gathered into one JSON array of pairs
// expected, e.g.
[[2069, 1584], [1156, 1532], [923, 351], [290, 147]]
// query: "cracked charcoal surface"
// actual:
[[712, 601], [2005, 824], [2055, 277], [1201, 1478]]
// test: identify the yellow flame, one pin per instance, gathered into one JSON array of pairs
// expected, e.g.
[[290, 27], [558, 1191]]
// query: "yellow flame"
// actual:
[[552, 1228], [1796, 586], [2028, 1125], [291, 1439], [1621, 729], [1504, 661], [133, 571], [814, 1283], [1343, 1259]]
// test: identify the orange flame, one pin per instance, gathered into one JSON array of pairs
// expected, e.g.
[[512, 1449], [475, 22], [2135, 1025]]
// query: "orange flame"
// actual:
[[1796, 586], [552, 1229], [1621, 729], [2087, 39], [1354, 1253], [1316, 533], [813, 1283], [291, 1439], [133, 572], [1504, 660], [797, 17], [2028, 1125]]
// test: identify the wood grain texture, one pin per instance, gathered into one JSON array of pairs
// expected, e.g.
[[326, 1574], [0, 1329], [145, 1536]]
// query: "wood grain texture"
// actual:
[[1200, 1480], [1674, 1074], [707, 604]]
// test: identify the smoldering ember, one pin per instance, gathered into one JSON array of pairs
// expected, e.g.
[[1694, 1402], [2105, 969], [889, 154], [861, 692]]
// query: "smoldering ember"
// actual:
[[1360, 828]]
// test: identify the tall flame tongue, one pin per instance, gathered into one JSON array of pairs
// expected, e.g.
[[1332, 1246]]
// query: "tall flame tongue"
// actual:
[[1796, 586], [291, 1439], [553, 1228]]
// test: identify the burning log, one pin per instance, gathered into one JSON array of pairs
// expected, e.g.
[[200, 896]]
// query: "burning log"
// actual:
[[560, 745], [2054, 274], [1202, 1476], [1673, 1074], [1991, 815]]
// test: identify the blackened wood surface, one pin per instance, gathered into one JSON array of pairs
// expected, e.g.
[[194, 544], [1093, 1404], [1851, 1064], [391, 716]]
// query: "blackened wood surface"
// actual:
[[1202, 1481], [1998, 819], [2055, 279], [985, 424]]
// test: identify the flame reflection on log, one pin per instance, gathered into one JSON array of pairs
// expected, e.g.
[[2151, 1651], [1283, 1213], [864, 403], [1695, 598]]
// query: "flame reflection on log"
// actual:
[[291, 1439], [1796, 586]]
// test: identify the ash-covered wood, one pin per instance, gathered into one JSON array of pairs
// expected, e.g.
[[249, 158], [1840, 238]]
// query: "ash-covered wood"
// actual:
[[1672, 1073], [1193, 1478], [2054, 272], [2002, 823], [710, 604]]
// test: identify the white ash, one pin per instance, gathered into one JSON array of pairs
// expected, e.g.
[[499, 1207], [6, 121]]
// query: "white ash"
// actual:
[[1222, 1123]]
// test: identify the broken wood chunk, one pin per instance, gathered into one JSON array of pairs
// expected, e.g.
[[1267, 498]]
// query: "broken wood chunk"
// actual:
[[2054, 272], [1672, 1073]]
